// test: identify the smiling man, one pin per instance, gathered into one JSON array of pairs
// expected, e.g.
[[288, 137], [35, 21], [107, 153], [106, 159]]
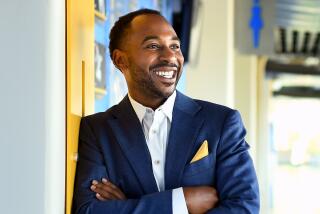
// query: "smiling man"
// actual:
[[159, 151]]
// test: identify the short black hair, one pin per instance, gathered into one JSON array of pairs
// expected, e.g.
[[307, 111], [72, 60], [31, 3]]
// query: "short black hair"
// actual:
[[118, 31]]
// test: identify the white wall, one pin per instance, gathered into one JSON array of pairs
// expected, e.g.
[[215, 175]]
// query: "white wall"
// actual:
[[210, 71], [32, 108]]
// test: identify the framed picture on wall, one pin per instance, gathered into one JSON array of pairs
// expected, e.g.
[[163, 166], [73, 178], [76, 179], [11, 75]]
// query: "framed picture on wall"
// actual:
[[100, 9], [100, 69]]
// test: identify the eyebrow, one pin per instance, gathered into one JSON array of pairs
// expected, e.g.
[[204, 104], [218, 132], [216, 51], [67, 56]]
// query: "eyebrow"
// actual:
[[156, 37]]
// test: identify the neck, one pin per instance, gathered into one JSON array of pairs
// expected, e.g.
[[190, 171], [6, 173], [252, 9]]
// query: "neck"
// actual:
[[151, 102]]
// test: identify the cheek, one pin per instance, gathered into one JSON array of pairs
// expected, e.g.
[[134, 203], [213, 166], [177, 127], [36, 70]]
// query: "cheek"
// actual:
[[180, 58], [143, 61]]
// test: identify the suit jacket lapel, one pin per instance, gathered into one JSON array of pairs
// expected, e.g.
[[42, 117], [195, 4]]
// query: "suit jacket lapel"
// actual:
[[129, 134], [184, 129]]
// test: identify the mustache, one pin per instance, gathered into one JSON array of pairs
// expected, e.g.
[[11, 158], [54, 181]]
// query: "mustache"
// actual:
[[163, 64]]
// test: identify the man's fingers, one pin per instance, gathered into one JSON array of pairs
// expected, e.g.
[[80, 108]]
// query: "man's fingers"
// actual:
[[116, 190], [107, 190], [104, 193], [100, 197]]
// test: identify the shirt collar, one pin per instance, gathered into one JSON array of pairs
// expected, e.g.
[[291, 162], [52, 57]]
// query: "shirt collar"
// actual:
[[166, 107]]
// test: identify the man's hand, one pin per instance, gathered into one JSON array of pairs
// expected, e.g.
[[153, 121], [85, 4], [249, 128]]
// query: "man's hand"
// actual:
[[106, 190], [200, 199]]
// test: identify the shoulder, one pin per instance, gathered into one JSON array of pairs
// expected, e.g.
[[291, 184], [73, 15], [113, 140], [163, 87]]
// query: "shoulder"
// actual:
[[212, 112], [213, 107], [218, 112], [100, 117], [204, 107]]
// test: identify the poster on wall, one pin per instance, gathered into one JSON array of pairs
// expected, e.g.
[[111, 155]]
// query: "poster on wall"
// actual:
[[100, 6], [100, 69], [118, 87]]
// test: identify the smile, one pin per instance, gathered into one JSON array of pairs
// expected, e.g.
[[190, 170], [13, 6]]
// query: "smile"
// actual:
[[165, 74]]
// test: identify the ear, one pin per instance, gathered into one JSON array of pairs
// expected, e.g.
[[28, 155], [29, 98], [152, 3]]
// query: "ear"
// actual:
[[120, 60]]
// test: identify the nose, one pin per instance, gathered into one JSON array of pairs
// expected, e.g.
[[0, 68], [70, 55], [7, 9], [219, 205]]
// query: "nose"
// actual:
[[168, 55]]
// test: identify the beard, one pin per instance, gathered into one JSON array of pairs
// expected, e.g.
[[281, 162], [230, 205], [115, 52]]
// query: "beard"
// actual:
[[145, 84]]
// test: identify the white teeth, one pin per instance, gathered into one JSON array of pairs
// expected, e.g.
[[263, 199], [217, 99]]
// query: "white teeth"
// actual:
[[165, 74]]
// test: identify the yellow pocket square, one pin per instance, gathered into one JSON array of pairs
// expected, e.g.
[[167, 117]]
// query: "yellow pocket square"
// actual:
[[202, 152]]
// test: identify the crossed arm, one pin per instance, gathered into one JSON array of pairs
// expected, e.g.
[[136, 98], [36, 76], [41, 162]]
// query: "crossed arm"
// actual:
[[198, 199]]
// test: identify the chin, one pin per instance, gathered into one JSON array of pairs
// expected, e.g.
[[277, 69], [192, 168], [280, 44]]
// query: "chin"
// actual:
[[167, 93], [163, 91]]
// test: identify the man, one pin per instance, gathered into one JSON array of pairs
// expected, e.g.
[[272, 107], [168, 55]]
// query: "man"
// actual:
[[159, 151]]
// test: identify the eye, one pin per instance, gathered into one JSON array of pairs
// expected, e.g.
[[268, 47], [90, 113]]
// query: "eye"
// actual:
[[153, 46], [175, 47]]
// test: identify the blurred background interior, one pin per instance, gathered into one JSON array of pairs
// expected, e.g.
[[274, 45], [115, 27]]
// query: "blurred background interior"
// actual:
[[258, 56]]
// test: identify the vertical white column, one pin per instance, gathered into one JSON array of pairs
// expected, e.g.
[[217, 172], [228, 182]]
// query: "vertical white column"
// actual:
[[55, 108], [264, 160], [245, 94]]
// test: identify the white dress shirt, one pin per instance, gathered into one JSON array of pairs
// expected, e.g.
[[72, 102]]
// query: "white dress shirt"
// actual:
[[156, 127]]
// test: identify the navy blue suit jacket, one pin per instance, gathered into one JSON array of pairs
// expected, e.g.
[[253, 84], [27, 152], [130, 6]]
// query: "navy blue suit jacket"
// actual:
[[112, 145]]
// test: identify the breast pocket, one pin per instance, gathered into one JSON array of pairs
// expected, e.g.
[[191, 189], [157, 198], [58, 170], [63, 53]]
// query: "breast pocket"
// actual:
[[200, 172]]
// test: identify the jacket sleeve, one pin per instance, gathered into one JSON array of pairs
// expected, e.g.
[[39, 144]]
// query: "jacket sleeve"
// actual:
[[236, 180], [90, 166]]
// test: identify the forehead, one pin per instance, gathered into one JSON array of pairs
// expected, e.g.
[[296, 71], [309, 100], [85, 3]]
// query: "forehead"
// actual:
[[150, 25]]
